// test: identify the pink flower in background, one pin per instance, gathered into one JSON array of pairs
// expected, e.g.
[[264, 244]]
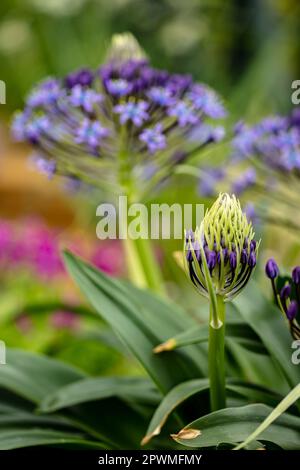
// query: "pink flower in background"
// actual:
[[24, 323], [64, 320], [108, 257], [46, 258], [6, 235], [32, 245]]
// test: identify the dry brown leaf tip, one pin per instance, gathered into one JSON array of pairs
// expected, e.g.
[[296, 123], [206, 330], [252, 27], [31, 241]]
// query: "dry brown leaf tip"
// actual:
[[186, 434]]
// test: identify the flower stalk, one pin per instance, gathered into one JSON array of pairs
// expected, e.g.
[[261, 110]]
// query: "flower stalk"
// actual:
[[216, 358], [220, 257]]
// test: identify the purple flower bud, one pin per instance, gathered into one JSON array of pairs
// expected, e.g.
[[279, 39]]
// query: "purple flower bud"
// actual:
[[82, 77], [292, 310], [252, 259], [189, 235], [211, 258], [253, 245], [271, 269], [189, 256], [285, 292], [197, 250], [224, 252], [296, 275], [244, 256], [245, 245], [232, 260]]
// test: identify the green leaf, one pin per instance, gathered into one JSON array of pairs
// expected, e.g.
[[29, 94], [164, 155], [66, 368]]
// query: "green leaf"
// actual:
[[233, 425], [139, 390], [253, 367], [252, 393], [185, 390], [139, 327], [176, 396], [268, 323], [17, 438], [291, 398], [32, 376], [199, 334], [15, 418]]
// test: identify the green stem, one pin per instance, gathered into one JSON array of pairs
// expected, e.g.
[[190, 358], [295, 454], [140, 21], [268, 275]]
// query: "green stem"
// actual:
[[134, 264], [216, 360], [150, 265], [142, 265]]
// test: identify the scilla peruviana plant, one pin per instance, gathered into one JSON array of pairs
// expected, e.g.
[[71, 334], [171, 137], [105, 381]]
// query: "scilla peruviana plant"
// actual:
[[123, 129], [220, 257]]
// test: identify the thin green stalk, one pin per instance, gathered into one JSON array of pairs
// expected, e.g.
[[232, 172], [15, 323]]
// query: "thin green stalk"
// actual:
[[134, 265], [150, 265], [216, 359], [142, 265]]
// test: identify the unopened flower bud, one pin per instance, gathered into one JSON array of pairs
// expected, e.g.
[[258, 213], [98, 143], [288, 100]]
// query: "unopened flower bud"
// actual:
[[271, 269], [227, 239]]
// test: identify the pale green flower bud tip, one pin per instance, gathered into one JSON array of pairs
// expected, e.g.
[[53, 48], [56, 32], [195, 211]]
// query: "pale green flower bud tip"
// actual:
[[226, 239]]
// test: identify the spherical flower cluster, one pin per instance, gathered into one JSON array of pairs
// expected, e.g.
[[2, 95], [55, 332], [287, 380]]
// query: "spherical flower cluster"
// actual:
[[275, 141], [286, 296], [81, 123], [225, 243]]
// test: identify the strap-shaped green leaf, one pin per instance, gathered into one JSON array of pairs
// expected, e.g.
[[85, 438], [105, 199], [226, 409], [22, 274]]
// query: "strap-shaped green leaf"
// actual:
[[33, 376], [289, 400], [140, 327], [233, 425], [135, 389]]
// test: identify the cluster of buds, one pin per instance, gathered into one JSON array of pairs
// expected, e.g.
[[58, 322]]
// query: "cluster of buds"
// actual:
[[80, 124], [287, 297], [223, 246]]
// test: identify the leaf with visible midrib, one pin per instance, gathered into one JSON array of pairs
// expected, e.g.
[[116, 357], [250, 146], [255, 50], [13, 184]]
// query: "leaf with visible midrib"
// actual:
[[135, 389], [234, 425]]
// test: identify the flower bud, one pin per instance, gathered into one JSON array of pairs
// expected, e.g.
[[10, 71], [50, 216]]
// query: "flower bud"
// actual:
[[227, 239], [292, 310], [271, 269], [285, 292], [296, 275]]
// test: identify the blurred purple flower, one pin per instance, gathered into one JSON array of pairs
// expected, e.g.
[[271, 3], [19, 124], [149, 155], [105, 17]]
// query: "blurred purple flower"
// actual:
[[154, 138], [138, 102], [82, 77], [134, 112], [85, 98], [209, 180], [118, 87], [91, 133], [244, 181], [183, 113]]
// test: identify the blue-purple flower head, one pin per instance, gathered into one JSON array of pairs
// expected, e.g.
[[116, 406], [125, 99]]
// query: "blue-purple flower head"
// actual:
[[125, 104], [225, 243], [286, 295], [275, 141]]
